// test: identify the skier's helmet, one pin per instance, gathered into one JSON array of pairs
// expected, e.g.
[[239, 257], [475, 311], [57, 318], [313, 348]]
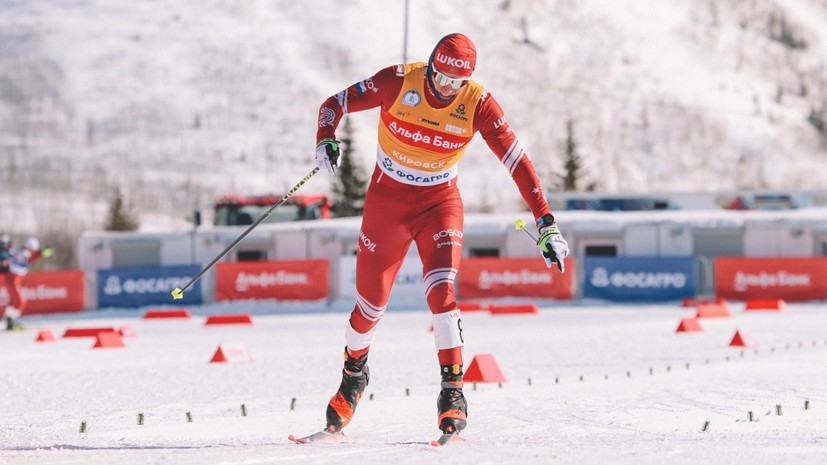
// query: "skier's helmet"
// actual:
[[32, 244], [5, 241], [454, 55]]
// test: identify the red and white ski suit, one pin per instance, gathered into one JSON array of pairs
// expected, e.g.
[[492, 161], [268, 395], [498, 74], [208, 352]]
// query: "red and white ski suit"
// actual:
[[14, 265], [413, 194]]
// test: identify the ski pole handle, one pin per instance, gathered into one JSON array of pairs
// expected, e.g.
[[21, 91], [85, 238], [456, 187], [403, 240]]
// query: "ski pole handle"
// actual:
[[178, 292]]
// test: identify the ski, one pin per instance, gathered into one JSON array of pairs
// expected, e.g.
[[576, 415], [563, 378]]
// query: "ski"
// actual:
[[322, 437], [338, 437], [447, 438]]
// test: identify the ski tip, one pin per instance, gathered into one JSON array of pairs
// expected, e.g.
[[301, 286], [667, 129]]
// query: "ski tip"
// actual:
[[321, 437]]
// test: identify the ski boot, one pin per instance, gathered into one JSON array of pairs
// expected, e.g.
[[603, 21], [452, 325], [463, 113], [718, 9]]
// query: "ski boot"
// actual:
[[451, 405], [355, 378], [10, 315]]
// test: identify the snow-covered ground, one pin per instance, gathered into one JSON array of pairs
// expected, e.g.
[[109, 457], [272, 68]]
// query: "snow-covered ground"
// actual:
[[645, 395]]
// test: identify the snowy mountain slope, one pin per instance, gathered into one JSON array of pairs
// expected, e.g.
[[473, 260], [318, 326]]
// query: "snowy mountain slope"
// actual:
[[180, 102]]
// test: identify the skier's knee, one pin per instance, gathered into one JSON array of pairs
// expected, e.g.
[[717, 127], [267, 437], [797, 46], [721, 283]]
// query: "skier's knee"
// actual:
[[441, 299]]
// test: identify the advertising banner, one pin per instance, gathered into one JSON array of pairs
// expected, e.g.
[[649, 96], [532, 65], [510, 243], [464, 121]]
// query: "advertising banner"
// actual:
[[792, 279], [280, 280], [135, 287], [514, 277], [51, 292], [639, 279], [408, 288]]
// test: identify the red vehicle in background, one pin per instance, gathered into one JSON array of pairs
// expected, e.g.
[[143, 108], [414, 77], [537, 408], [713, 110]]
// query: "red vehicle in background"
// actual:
[[240, 210]]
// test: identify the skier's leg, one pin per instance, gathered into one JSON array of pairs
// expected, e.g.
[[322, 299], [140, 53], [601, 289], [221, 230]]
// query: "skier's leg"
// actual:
[[17, 301], [439, 240], [383, 243]]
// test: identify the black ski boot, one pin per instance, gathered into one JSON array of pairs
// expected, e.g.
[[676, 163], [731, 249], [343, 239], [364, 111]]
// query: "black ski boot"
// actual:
[[451, 405], [355, 378]]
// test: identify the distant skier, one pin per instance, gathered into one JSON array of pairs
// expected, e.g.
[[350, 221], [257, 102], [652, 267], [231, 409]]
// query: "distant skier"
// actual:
[[14, 264], [429, 112]]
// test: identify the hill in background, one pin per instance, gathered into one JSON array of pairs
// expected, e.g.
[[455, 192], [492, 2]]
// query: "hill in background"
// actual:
[[176, 103]]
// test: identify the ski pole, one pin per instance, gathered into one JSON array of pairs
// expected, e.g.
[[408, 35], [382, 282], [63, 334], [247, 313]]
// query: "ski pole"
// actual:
[[178, 292], [520, 224]]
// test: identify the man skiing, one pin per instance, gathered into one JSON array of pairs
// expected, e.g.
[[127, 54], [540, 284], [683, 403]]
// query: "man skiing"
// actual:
[[429, 112], [14, 264]]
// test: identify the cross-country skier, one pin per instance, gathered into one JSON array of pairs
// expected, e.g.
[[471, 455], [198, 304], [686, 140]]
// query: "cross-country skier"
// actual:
[[428, 114], [14, 264]]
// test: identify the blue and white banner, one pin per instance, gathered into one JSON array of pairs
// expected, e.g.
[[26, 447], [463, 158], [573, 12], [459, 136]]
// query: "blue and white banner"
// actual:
[[135, 287], [639, 279]]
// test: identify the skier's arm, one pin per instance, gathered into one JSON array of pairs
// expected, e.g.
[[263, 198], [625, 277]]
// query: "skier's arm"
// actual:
[[379, 89], [492, 124], [35, 256], [490, 121]]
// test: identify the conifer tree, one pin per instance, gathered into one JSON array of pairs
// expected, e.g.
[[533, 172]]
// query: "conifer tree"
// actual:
[[120, 218], [350, 186], [574, 163]]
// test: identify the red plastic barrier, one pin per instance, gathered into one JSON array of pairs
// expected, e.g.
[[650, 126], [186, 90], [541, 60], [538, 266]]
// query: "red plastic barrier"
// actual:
[[241, 319], [108, 341], [231, 353], [484, 369], [513, 309], [45, 335], [87, 332], [713, 311], [689, 325], [775, 305], [168, 313], [740, 340], [472, 307]]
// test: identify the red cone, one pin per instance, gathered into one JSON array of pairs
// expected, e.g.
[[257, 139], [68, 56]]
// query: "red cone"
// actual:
[[484, 369], [689, 325], [738, 340], [45, 335]]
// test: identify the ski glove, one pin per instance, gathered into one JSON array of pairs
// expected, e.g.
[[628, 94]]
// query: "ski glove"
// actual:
[[327, 155], [552, 244]]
